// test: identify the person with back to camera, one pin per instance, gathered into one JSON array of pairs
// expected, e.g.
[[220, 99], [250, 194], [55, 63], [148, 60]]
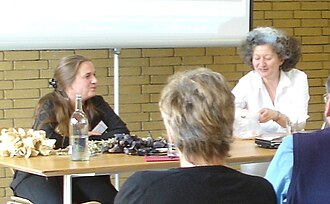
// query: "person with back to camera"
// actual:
[[197, 108], [274, 88], [299, 170], [74, 75]]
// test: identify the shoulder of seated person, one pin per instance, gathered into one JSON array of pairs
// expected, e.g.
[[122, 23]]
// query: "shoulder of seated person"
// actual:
[[296, 72], [97, 99]]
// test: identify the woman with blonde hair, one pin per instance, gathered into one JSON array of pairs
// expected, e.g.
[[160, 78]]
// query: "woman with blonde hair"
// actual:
[[74, 75]]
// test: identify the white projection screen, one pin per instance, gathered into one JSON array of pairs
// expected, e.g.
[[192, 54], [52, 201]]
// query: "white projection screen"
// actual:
[[70, 24]]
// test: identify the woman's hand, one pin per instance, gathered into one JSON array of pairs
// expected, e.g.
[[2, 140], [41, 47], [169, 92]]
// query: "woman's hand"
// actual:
[[267, 114]]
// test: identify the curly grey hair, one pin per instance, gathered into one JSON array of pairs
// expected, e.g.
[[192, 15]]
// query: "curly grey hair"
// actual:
[[287, 48]]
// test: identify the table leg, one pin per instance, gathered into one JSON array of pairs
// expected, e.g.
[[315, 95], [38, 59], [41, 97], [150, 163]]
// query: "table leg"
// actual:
[[67, 196], [117, 181]]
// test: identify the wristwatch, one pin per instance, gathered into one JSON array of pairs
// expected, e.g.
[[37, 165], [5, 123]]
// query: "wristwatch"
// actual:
[[279, 116]]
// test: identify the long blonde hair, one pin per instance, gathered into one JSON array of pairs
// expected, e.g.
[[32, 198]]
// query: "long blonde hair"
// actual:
[[58, 101]]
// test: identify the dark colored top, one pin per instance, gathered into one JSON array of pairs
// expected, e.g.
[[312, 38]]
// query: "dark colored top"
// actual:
[[311, 168], [202, 184], [107, 115]]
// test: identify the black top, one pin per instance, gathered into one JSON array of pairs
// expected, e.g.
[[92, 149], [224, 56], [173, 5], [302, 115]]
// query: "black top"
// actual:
[[107, 115], [202, 184]]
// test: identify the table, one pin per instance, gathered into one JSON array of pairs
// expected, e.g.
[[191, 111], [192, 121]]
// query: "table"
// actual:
[[243, 151]]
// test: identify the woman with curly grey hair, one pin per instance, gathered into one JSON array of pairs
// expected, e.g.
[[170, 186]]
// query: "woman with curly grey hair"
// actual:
[[274, 88], [197, 107]]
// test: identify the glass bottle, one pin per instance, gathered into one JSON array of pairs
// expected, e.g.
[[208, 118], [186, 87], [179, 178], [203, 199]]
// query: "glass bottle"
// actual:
[[79, 133]]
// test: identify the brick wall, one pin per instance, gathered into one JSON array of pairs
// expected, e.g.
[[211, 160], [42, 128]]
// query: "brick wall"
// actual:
[[24, 75]]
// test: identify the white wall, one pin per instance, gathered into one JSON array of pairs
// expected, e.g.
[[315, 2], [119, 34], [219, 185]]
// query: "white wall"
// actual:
[[62, 24]]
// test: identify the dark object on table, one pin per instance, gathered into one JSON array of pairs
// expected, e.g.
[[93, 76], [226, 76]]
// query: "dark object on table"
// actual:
[[270, 141], [130, 144]]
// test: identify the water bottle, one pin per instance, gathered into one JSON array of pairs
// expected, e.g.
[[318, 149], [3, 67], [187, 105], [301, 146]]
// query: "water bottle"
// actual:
[[79, 133]]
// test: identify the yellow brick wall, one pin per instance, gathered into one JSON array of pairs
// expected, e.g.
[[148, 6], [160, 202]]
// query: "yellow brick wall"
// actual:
[[24, 75]]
